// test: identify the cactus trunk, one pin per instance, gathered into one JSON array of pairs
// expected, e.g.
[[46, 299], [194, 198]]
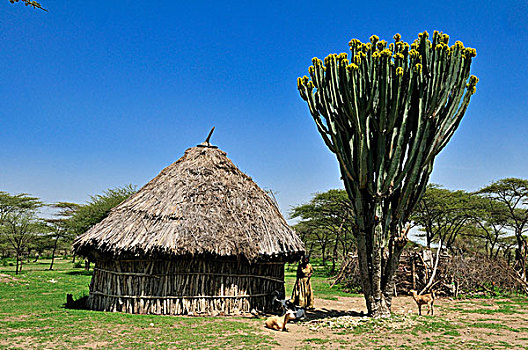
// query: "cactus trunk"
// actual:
[[386, 114]]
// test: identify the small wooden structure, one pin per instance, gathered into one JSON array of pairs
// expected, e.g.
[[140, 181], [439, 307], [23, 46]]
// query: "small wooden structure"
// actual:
[[200, 238]]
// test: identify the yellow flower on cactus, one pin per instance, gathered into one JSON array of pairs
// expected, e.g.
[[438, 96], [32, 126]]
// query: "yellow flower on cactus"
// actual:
[[459, 45], [413, 53], [352, 67], [386, 53], [381, 45], [357, 59], [354, 42]]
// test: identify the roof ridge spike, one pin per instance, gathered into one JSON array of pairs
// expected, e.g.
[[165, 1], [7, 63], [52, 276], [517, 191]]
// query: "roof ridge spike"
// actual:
[[206, 142]]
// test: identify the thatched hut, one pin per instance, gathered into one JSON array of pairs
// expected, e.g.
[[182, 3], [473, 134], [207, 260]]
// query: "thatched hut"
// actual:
[[200, 238]]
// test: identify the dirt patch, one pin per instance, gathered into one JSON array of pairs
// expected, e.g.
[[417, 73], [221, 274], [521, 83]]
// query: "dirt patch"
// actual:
[[10, 318], [456, 325], [8, 278]]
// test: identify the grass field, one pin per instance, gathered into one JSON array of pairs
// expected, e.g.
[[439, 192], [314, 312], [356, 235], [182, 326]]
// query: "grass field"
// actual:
[[32, 316]]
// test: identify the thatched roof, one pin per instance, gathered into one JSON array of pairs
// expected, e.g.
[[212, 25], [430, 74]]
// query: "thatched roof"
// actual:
[[202, 204]]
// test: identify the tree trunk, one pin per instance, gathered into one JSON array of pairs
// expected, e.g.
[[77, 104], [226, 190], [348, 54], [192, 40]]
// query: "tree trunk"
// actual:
[[334, 256], [377, 267], [520, 255], [336, 245], [16, 270], [53, 253]]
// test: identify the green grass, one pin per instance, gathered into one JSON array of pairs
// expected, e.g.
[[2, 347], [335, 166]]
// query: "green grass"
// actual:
[[32, 316], [504, 307], [496, 326], [32, 312]]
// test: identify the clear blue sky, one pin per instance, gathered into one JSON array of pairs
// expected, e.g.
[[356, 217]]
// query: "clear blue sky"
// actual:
[[98, 94]]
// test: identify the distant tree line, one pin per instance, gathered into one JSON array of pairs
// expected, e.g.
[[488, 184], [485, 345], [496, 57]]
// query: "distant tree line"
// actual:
[[491, 221], [25, 233]]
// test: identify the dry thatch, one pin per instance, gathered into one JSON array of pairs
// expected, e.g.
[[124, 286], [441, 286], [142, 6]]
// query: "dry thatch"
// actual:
[[200, 205]]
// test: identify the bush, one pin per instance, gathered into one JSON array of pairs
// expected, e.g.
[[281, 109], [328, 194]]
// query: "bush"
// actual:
[[457, 273], [478, 273]]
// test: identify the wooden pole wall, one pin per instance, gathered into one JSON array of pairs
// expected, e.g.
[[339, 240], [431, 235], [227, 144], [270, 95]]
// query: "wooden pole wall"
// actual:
[[193, 286]]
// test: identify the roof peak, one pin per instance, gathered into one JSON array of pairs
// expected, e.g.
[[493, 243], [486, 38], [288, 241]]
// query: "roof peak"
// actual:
[[206, 142]]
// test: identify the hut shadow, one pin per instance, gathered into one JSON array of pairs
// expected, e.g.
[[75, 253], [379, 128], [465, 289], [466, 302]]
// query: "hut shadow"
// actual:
[[76, 304], [79, 273], [319, 314]]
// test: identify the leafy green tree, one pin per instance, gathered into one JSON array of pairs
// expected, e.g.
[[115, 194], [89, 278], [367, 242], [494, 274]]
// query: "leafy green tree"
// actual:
[[326, 221], [58, 227], [442, 214], [513, 193], [492, 222], [18, 221], [98, 208], [386, 114]]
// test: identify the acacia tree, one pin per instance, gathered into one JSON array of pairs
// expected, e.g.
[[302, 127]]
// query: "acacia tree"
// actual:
[[18, 221], [386, 113], [98, 208], [59, 227], [492, 222], [326, 222], [442, 214], [513, 193]]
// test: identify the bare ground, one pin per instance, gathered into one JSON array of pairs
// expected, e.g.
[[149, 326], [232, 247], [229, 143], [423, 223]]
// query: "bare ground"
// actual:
[[457, 324], [339, 324]]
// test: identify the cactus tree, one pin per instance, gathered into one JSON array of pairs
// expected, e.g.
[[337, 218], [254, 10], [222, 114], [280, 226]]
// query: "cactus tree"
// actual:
[[386, 113]]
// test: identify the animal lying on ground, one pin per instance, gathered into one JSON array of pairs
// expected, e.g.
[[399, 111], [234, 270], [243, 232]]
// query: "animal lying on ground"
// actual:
[[424, 299], [286, 305], [278, 323]]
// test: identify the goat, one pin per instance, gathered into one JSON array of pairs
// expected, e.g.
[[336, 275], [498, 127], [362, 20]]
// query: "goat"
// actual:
[[425, 299], [278, 323], [287, 305]]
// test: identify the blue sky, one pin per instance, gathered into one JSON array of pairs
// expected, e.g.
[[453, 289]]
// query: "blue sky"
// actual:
[[100, 94]]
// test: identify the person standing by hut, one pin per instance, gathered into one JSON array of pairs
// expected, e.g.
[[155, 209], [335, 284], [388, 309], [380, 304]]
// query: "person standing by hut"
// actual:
[[302, 294]]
